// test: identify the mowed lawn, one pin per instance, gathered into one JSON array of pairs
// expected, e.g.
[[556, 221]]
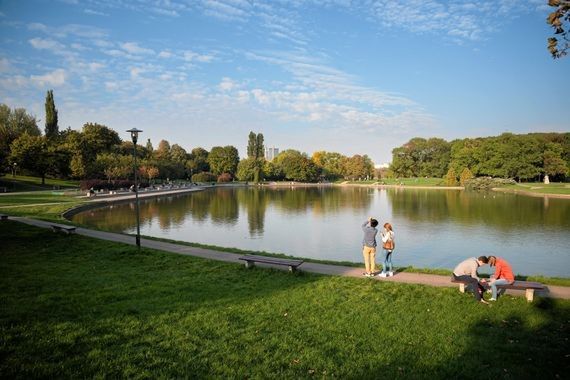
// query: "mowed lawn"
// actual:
[[75, 307]]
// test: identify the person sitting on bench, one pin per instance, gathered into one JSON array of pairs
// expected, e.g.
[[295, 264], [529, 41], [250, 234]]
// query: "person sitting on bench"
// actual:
[[466, 272], [503, 274]]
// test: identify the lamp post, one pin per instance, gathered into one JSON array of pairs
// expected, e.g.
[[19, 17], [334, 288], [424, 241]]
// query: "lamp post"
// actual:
[[15, 164], [134, 136]]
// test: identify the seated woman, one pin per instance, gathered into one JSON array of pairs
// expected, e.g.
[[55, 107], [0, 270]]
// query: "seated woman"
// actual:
[[503, 274]]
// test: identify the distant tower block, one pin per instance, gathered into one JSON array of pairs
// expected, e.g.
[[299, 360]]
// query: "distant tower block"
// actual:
[[271, 153]]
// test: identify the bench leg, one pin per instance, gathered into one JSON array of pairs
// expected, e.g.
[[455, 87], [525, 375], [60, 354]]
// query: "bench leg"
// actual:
[[292, 268], [529, 295], [462, 288], [54, 229], [249, 264]]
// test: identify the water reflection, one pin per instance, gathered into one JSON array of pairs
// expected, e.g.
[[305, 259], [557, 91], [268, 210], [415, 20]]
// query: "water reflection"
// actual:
[[435, 228]]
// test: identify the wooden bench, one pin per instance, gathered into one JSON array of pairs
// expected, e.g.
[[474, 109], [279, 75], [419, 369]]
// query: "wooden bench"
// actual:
[[528, 286], [3, 217], [250, 261], [63, 228]]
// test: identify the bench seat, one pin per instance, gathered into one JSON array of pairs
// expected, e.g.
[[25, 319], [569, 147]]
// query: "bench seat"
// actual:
[[250, 261], [63, 228], [528, 286]]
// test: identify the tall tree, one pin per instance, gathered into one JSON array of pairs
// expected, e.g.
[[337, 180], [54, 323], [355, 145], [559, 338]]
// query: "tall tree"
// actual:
[[52, 129], [223, 160], [559, 20]]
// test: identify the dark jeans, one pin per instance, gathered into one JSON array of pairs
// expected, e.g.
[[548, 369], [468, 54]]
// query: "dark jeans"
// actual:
[[473, 283]]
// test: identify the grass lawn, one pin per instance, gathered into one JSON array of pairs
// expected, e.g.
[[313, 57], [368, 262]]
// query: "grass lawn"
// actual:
[[541, 188], [75, 307], [28, 183]]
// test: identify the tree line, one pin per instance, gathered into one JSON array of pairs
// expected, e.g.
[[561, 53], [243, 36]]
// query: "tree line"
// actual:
[[97, 152], [523, 157]]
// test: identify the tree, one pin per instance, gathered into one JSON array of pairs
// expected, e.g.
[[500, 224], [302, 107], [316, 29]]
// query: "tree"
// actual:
[[223, 160], [358, 167], [52, 129], [465, 176], [558, 20], [30, 153], [248, 169], [296, 166], [149, 148], [162, 153], [553, 163], [451, 177], [198, 161], [13, 124]]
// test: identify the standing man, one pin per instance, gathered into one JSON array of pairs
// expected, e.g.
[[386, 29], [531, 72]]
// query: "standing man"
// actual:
[[466, 272], [369, 246]]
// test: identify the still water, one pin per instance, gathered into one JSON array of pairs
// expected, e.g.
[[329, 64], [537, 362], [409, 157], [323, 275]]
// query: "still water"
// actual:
[[433, 228]]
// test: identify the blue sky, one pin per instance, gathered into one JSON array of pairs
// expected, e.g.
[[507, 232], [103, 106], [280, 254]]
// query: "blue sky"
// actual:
[[354, 77]]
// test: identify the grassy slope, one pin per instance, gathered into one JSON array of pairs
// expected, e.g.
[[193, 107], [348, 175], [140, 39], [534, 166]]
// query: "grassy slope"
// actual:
[[540, 188], [27, 183], [78, 307]]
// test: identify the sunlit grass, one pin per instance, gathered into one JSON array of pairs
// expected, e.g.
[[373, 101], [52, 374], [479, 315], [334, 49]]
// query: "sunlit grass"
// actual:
[[29, 183], [79, 307], [540, 188]]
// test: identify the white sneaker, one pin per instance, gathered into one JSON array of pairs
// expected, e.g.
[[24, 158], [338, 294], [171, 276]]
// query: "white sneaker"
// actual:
[[492, 299], [382, 275], [390, 274]]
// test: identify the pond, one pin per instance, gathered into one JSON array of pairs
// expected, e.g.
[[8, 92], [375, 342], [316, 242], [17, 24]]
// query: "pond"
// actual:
[[434, 228]]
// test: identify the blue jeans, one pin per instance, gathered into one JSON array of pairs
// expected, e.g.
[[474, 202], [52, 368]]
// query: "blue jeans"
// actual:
[[387, 266], [494, 284]]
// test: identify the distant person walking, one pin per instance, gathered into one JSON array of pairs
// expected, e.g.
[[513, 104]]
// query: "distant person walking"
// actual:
[[503, 274], [369, 246], [388, 245], [466, 272]]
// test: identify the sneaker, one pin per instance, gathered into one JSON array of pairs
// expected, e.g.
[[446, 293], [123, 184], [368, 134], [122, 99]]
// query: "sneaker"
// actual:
[[382, 275], [492, 299], [390, 274], [483, 301], [366, 274]]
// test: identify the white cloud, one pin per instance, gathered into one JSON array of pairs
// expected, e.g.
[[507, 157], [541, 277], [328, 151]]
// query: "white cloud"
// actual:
[[165, 54], [190, 56], [227, 84], [5, 65], [47, 44], [54, 78], [134, 48]]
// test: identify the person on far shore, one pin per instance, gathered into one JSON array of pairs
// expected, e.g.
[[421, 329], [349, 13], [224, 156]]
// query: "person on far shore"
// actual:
[[503, 274], [369, 246], [466, 272], [388, 245]]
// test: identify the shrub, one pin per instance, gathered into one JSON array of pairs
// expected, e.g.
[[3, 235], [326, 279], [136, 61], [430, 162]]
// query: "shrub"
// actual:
[[225, 177], [204, 177], [487, 183], [466, 175], [451, 178]]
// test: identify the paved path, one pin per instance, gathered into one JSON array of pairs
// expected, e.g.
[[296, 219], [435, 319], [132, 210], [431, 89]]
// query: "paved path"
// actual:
[[337, 270]]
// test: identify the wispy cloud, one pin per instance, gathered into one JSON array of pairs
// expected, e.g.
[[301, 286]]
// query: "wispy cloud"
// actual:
[[55, 78], [46, 44], [134, 48]]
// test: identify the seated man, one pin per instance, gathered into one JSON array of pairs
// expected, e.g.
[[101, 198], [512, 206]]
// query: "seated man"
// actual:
[[466, 272]]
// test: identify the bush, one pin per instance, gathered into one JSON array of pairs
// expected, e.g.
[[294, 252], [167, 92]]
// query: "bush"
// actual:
[[225, 177], [487, 183], [103, 184], [204, 177]]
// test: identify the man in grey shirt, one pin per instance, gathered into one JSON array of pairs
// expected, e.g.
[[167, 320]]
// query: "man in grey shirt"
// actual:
[[369, 246], [466, 272]]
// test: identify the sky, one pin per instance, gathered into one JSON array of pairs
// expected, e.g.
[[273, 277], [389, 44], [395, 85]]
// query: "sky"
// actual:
[[353, 77]]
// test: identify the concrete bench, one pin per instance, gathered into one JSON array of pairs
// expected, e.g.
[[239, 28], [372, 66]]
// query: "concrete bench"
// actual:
[[528, 286], [63, 228], [3, 217], [250, 261]]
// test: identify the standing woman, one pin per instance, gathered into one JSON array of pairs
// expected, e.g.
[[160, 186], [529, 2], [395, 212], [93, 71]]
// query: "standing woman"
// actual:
[[503, 274], [388, 244]]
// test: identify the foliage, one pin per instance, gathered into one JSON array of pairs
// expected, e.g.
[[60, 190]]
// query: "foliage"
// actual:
[[223, 160], [204, 177], [358, 167], [451, 177], [465, 176], [31, 154], [558, 20], [52, 129], [487, 183], [296, 166], [248, 168], [198, 161], [225, 177], [13, 124], [421, 158]]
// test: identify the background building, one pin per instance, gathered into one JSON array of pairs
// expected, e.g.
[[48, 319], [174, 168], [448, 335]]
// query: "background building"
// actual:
[[271, 153]]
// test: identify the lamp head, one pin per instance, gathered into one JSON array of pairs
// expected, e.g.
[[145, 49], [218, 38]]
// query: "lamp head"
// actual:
[[134, 134]]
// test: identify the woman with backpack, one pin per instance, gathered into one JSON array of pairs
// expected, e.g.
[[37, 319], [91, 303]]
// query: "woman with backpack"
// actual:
[[388, 245]]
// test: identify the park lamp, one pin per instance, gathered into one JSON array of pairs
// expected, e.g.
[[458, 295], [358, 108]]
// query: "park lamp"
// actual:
[[134, 136]]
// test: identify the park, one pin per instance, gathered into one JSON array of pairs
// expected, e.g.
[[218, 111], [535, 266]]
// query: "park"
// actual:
[[284, 189]]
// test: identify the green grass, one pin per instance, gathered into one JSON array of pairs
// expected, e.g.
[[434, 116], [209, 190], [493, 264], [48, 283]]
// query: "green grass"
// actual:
[[28, 183], [540, 188], [75, 307]]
